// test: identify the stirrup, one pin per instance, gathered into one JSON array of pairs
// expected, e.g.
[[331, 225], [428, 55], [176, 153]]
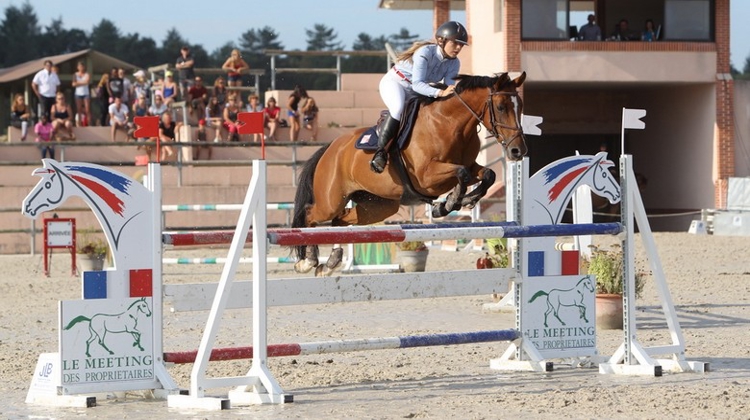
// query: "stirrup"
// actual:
[[378, 162]]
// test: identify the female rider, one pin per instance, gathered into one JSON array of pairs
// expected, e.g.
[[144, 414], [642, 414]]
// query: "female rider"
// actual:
[[423, 63]]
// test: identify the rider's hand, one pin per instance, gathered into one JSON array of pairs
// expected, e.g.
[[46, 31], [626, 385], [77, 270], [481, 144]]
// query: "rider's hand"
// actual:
[[447, 91]]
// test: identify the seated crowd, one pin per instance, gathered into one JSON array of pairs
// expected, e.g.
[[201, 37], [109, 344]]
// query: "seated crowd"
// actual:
[[117, 100]]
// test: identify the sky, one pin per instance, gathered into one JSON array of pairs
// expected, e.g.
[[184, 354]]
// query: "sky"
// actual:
[[200, 22]]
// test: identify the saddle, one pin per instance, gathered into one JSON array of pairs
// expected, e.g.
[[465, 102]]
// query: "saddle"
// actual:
[[369, 141]]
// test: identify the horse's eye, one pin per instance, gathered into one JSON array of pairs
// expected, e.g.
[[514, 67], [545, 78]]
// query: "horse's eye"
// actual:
[[501, 108], [47, 184]]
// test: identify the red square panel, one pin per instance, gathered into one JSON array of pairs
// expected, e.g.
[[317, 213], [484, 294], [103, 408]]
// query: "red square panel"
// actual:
[[141, 283], [570, 263]]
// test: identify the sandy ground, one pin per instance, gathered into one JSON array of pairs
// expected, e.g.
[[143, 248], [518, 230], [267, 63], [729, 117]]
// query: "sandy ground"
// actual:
[[709, 278]]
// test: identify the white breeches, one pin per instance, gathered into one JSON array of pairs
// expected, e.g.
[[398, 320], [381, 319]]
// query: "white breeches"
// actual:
[[393, 91]]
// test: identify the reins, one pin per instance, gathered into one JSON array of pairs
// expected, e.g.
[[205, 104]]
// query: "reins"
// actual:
[[493, 131]]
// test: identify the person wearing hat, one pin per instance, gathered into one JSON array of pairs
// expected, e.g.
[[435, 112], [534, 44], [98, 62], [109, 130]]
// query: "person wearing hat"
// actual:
[[416, 69], [142, 86], [169, 89], [184, 65]]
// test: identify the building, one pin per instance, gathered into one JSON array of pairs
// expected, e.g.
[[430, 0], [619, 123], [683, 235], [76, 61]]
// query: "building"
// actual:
[[682, 79]]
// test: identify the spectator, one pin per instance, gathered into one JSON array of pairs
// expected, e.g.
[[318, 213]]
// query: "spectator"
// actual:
[[81, 82], [201, 135], [102, 94], [158, 107], [231, 124], [590, 31], [118, 117], [45, 84], [272, 113], [185, 65], [215, 117], [167, 134], [116, 84], [43, 130], [20, 115], [169, 90], [142, 86], [292, 105], [649, 32], [61, 117], [254, 106], [198, 97], [234, 67], [309, 110], [220, 90], [141, 109], [623, 32], [127, 87]]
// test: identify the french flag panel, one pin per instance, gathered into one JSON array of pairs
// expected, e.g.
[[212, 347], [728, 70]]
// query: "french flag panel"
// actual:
[[552, 263], [110, 284]]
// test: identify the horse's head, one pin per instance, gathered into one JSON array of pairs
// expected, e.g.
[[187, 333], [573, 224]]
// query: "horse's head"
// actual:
[[587, 284], [141, 305], [502, 111], [48, 194], [604, 183]]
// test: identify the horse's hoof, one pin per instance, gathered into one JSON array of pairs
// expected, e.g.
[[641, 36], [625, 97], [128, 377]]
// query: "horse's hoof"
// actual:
[[334, 261], [304, 266]]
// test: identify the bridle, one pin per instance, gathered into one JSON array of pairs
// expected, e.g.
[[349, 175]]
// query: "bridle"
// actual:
[[493, 130]]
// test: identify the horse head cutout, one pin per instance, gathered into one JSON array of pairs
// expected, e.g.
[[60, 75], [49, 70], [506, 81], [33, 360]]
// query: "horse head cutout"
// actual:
[[552, 187], [121, 205]]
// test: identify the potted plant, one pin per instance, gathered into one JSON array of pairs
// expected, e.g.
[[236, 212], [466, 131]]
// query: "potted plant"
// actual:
[[91, 251], [412, 255], [606, 265]]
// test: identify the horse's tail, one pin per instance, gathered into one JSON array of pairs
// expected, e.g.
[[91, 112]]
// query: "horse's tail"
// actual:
[[304, 195], [79, 318], [538, 294]]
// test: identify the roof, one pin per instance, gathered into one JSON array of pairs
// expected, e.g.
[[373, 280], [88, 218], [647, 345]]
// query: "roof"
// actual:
[[100, 62], [418, 4]]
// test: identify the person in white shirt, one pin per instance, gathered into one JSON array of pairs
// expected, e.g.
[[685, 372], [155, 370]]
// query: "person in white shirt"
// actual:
[[118, 117], [45, 85]]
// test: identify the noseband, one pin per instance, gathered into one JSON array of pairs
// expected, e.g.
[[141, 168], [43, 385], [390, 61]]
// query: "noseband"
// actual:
[[494, 124]]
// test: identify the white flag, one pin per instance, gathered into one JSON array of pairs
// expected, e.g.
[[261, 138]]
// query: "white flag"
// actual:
[[529, 124], [631, 118]]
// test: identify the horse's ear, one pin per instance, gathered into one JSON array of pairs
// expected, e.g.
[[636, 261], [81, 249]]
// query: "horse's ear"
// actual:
[[520, 79]]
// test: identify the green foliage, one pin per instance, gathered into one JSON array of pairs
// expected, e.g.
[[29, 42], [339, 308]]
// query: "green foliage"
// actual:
[[607, 266], [412, 246], [90, 242], [498, 252]]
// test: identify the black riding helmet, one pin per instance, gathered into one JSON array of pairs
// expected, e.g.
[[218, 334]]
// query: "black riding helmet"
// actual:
[[453, 31]]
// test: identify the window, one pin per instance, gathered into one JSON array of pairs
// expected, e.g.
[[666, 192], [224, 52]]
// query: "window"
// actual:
[[545, 19], [688, 20]]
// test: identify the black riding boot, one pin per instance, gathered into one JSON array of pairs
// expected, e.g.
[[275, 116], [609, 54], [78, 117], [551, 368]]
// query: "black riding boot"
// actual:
[[388, 131]]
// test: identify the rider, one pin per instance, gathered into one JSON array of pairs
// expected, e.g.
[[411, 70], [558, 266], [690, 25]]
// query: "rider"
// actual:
[[423, 63]]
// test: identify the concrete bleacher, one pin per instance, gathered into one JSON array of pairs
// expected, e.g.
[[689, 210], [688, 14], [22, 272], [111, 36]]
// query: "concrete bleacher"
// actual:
[[358, 104]]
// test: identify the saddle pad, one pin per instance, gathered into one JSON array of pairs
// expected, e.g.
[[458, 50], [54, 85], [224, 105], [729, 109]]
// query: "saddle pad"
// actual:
[[368, 140]]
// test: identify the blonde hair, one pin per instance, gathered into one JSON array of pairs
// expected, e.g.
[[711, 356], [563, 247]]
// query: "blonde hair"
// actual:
[[409, 53], [15, 106]]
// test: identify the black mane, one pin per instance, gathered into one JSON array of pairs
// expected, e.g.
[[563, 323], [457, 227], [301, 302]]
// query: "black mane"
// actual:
[[467, 82]]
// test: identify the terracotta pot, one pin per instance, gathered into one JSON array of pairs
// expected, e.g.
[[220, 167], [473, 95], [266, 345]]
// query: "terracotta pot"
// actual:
[[412, 261], [609, 312]]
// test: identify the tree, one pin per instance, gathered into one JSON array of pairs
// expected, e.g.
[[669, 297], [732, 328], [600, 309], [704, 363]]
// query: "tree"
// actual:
[[58, 40], [365, 42], [252, 45], [322, 38], [19, 35], [105, 37], [402, 40]]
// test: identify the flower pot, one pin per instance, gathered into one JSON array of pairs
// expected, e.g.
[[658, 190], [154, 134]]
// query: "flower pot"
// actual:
[[90, 262], [412, 261], [609, 312]]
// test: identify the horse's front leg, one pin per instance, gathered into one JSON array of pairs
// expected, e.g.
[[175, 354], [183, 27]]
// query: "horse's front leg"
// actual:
[[487, 179], [453, 200], [136, 339]]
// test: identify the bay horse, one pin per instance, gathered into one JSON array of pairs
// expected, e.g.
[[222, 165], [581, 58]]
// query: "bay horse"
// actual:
[[439, 157]]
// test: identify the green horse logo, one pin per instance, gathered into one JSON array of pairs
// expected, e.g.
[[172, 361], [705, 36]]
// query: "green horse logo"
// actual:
[[568, 297], [122, 323]]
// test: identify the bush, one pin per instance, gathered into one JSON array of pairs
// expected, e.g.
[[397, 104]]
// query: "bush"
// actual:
[[89, 243], [606, 265], [412, 246]]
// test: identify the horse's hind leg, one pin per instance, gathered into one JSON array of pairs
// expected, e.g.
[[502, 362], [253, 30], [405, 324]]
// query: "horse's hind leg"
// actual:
[[369, 210]]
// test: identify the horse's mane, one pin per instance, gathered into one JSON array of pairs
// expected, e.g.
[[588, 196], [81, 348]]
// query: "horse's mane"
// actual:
[[468, 82]]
